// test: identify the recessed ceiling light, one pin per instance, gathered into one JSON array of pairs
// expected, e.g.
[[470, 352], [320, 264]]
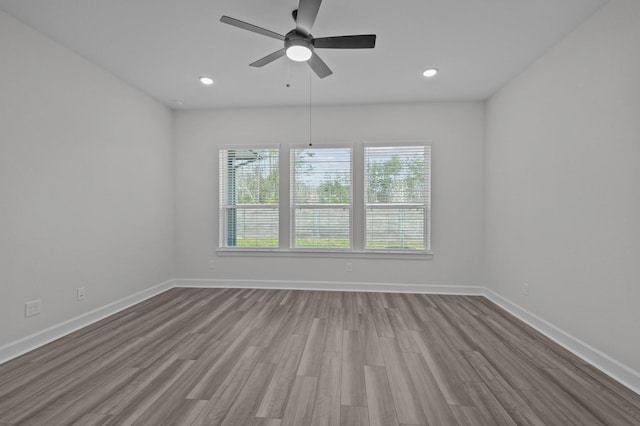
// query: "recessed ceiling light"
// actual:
[[207, 81], [178, 101], [430, 72]]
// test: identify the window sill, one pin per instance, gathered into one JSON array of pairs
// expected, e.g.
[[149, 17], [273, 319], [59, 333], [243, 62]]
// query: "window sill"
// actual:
[[248, 252]]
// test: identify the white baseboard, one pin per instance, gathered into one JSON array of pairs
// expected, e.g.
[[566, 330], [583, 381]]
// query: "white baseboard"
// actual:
[[29, 343], [608, 365], [332, 286]]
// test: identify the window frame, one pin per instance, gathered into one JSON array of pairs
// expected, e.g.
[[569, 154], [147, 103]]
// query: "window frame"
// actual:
[[426, 205], [357, 217], [293, 206], [222, 217]]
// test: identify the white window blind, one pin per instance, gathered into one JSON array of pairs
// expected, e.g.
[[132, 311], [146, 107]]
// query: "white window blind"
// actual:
[[397, 197], [249, 197], [321, 198]]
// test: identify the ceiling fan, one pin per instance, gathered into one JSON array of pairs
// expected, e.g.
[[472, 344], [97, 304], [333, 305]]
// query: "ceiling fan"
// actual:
[[299, 44]]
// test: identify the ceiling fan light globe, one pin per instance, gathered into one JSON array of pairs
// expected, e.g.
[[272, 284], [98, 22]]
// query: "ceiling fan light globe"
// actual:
[[298, 53], [430, 72], [206, 81]]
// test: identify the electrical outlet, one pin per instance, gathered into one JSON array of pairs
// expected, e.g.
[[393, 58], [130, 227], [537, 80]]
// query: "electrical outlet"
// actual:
[[349, 267], [212, 264], [33, 308], [80, 293], [525, 289]]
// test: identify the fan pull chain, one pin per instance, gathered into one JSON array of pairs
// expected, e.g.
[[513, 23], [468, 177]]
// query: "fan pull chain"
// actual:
[[310, 134]]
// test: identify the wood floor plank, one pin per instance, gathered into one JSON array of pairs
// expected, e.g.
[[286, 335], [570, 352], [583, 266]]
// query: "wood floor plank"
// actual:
[[517, 371], [89, 419], [149, 350], [212, 379], [595, 401], [216, 311], [422, 301], [369, 340], [277, 393], [277, 344], [117, 401], [312, 354], [299, 408], [326, 407], [240, 326], [270, 324], [387, 300], [468, 416], [528, 373], [266, 422], [174, 398], [232, 357], [448, 376], [546, 409], [323, 304], [353, 384], [243, 410], [350, 311], [606, 393], [435, 408], [30, 399], [573, 408], [622, 396], [364, 307], [515, 405], [192, 346], [351, 415], [335, 325], [287, 297], [380, 318], [185, 412], [143, 400], [470, 305], [381, 408], [70, 407], [59, 371], [405, 305], [177, 391], [401, 330], [489, 408], [437, 323], [474, 331], [221, 401], [448, 351], [404, 394], [304, 309]]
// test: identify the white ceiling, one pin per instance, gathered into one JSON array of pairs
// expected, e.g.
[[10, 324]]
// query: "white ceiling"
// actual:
[[163, 46]]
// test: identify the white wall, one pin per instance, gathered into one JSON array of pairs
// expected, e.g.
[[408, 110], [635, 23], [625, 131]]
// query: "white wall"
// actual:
[[456, 130], [86, 184], [563, 184]]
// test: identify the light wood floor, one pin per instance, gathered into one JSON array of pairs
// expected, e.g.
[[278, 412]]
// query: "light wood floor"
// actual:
[[277, 357]]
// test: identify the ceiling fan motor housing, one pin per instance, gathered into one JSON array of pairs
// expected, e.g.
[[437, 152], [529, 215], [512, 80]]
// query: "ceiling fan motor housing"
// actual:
[[296, 38]]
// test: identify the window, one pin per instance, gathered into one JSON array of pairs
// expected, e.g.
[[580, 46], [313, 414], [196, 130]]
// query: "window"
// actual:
[[249, 198], [321, 198], [397, 197], [362, 199]]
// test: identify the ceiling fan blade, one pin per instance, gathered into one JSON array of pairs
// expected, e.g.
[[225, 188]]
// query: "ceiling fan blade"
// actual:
[[367, 41], [269, 58], [306, 16], [318, 66], [250, 27]]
